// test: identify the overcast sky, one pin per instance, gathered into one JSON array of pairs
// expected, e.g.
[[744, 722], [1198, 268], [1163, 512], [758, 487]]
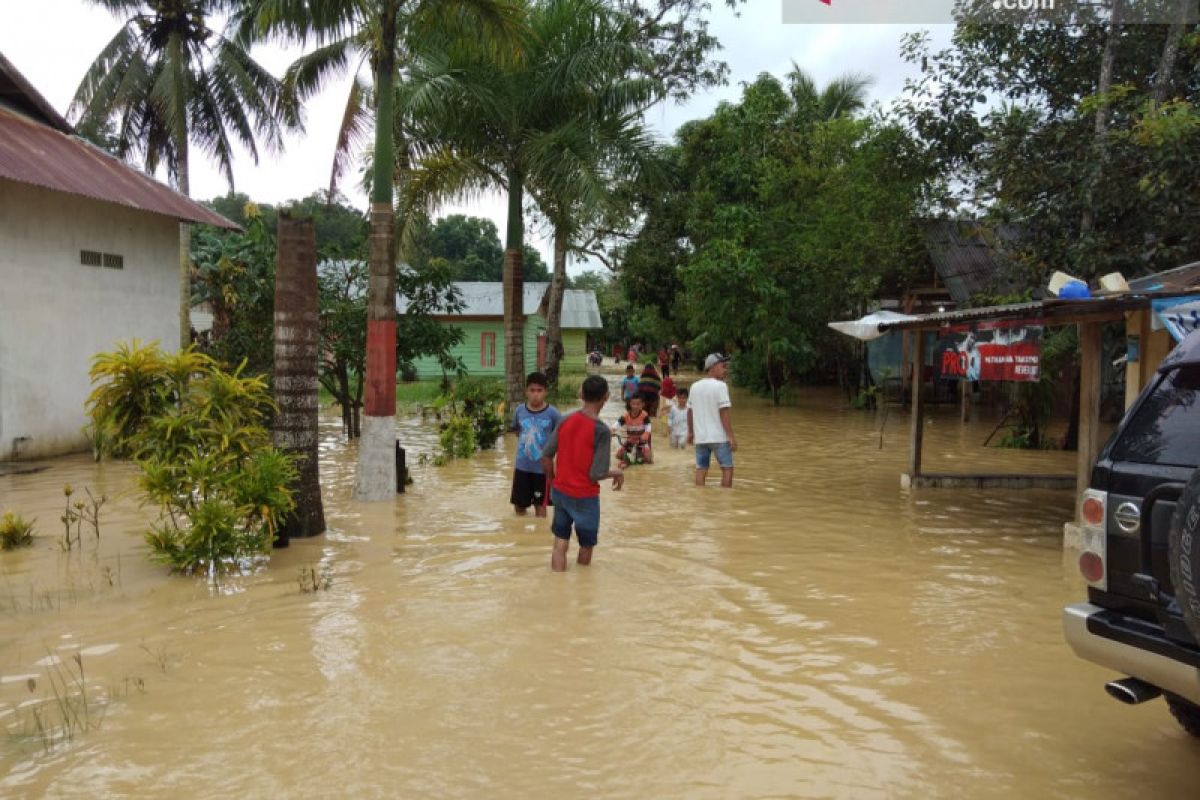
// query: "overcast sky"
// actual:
[[52, 42]]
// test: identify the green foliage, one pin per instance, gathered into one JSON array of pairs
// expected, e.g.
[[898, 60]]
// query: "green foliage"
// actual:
[[472, 418], [1009, 113], [471, 251], [168, 80], [133, 385], [15, 531], [784, 213], [457, 437], [234, 272], [76, 513], [205, 454]]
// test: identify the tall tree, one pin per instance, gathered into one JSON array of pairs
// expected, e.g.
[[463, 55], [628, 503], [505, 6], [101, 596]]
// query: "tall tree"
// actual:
[[296, 339], [168, 80], [512, 133], [1016, 145], [383, 33]]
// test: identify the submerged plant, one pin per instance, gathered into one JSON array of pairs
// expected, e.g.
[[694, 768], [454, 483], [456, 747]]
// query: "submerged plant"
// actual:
[[77, 513], [205, 453], [15, 531], [474, 422], [311, 580]]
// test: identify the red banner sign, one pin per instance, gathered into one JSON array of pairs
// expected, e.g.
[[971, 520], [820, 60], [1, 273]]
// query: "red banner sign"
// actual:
[[990, 351]]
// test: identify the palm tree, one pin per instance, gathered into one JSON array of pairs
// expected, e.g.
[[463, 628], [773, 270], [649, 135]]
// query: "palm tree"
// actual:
[[842, 97], [602, 148], [169, 81], [535, 124], [382, 33]]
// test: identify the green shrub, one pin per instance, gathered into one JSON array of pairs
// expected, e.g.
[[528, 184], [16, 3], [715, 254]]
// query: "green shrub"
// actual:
[[479, 400], [204, 451], [15, 531], [457, 437]]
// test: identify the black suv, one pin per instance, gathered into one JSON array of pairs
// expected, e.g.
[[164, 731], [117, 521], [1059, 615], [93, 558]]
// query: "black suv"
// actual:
[[1141, 546]]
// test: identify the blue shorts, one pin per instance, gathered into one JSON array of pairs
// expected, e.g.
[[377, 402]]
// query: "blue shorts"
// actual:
[[724, 455], [584, 512]]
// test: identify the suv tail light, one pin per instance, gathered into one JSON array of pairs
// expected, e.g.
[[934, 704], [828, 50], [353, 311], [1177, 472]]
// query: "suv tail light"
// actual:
[[1093, 555]]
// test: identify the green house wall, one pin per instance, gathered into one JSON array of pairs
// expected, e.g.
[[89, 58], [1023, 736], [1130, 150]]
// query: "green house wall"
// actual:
[[470, 349]]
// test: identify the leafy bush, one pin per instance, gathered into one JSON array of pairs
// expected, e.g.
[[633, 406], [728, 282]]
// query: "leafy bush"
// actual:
[[204, 451], [457, 437], [479, 400], [15, 531]]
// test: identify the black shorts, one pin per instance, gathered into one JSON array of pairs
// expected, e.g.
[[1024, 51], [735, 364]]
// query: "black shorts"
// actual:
[[528, 489]]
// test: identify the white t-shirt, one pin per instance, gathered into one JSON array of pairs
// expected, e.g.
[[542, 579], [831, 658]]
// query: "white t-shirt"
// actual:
[[706, 399]]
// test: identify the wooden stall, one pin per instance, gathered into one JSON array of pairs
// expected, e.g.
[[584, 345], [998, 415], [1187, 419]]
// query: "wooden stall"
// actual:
[[1089, 316]]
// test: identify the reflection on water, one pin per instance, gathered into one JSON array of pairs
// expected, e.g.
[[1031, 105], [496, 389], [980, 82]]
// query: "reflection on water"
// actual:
[[814, 632]]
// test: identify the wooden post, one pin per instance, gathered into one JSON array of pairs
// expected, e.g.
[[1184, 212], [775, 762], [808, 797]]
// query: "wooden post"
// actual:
[[964, 390], [1089, 403], [918, 409]]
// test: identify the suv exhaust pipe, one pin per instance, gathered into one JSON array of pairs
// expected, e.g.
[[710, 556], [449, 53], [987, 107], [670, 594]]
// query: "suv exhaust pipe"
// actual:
[[1132, 691]]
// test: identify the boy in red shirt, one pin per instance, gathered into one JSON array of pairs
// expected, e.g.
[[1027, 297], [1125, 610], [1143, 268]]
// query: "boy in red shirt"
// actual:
[[581, 443]]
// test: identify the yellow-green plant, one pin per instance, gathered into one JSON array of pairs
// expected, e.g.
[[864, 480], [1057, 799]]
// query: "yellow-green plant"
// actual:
[[15, 531], [205, 452]]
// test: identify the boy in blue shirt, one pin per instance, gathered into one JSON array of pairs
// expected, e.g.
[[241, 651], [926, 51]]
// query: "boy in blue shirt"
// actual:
[[534, 421]]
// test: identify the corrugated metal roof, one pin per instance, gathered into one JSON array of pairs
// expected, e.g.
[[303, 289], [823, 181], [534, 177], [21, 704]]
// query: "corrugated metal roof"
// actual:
[[580, 310], [39, 147], [19, 93], [1178, 279], [969, 258], [33, 153], [1052, 311], [486, 299]]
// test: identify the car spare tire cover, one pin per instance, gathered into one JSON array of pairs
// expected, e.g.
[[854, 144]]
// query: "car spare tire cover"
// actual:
[[1185, 553]]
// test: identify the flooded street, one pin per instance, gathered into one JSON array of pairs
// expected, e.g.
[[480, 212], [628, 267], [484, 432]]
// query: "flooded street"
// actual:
[[815, 632]]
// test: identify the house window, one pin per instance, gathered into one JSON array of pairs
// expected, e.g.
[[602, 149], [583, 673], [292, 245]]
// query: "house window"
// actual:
[[487, 349], [114, 261]]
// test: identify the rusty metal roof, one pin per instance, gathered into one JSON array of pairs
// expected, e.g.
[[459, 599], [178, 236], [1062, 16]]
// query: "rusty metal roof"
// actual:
[[971, 258], [33, 153], [1051, 311], [39, 147]]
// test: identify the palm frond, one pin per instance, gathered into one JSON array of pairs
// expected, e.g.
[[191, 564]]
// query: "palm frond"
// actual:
[[353, 133], [103, 74], [311, 71]]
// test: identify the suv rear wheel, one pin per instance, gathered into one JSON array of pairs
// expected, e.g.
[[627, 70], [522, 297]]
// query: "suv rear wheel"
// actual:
[[1185, 554], [1185, 713]]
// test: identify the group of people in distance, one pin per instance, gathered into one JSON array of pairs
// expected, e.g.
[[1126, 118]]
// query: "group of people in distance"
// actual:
[[561, 460]]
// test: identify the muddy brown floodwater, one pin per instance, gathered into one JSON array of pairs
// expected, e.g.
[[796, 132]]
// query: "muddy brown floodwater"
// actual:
[[816, 632]]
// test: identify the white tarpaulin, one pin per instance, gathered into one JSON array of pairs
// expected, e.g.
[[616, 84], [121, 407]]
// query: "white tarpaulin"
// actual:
[[1179, 315], [867, 328]]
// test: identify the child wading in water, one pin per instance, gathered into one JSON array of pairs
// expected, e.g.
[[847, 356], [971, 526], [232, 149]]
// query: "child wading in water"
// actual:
[[635, 425], [534, 421], [576, 459], [677, 419]]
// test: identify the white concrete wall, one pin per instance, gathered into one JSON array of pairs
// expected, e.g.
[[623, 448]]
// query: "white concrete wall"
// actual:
[[55, 313]]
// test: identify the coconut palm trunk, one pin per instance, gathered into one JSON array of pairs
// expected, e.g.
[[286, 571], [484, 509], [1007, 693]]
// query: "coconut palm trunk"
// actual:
[[296, 342], [514, 292], [185, 257], [558, 287], [376, 478]]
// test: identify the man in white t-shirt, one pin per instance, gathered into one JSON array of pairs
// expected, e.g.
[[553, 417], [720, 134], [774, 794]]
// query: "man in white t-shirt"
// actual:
[[708, 420]]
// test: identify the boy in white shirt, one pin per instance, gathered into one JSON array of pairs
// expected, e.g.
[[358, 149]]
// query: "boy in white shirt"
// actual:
[[708, 423]]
